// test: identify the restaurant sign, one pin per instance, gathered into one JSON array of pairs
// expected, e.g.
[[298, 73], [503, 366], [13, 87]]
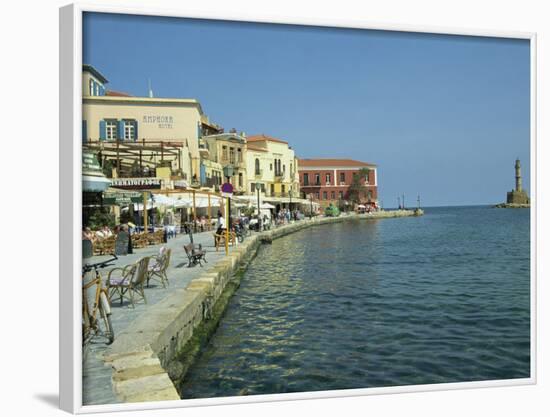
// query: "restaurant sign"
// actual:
[[136, 183], [122, 198]]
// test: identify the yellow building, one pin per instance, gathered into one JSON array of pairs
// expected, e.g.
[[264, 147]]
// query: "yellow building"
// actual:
[[155, 123], [272, 163], [219, 151]]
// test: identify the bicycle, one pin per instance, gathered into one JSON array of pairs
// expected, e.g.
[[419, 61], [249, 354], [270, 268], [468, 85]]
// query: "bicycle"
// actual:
[[90, 321], [240, 231]]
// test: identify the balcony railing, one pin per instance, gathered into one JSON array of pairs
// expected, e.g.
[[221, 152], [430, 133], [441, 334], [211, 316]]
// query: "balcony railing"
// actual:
[[211, 182]]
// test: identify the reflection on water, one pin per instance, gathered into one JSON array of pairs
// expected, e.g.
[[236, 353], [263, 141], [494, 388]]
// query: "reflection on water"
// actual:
[[442, 298]]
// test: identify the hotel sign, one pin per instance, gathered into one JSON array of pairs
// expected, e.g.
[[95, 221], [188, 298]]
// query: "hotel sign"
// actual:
[[163, 121], [136, 183]]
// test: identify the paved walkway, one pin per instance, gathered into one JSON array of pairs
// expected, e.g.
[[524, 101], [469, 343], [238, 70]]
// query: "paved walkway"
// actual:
[[96, 381]]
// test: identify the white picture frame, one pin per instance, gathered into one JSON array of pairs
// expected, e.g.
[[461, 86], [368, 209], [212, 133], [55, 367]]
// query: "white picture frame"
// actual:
[[70, 208]]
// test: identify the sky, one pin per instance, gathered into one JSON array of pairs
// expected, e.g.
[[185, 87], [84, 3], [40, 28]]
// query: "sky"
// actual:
[[443, 117]]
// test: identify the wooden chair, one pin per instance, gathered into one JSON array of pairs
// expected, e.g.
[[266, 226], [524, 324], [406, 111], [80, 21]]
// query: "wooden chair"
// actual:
[[159, 266], [130, 282], [219, 239], [139, 240], [195, 254]]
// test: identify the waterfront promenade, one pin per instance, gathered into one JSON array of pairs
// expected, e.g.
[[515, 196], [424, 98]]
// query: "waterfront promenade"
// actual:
[[97, 375]]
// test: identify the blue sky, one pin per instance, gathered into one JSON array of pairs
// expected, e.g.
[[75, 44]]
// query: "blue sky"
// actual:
[[443, 117]]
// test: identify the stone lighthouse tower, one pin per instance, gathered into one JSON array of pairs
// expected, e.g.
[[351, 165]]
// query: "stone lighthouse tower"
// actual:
[[518, 176], [517, 196]]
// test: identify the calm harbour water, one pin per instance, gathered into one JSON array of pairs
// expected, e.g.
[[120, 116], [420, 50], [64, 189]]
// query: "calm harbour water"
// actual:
[[440, 298]]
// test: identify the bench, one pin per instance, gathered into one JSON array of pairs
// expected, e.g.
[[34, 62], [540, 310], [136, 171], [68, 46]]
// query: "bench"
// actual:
[[195, 254]]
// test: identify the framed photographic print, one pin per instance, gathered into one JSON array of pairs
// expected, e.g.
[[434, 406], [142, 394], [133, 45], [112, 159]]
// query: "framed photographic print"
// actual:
[[271, 210]]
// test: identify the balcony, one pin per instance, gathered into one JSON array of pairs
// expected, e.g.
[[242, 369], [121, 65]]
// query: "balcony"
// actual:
[[211, 182], [279, 176], [203, 150]]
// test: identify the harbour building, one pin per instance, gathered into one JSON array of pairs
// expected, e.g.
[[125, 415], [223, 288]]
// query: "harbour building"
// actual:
[[339, 181], [272, 166], [138, 136]]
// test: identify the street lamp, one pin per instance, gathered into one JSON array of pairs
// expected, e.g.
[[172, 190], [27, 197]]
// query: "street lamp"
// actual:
[[228, 173], [290, 195], [258, 186]]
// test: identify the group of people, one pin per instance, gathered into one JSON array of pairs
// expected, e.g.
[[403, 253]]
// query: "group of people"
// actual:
[[103, 232], [284, 216], [100, 234]]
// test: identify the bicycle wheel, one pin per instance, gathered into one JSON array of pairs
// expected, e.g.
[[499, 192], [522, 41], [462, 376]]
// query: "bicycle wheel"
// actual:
[[105, 313], [86, 325]]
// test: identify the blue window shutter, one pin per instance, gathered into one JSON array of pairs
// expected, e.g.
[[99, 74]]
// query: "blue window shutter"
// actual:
[[102, 130], [203, 174], [84, 131], [135, 130], [120, 130]]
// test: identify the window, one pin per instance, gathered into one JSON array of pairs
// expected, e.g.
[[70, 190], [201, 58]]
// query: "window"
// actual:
[[252, 187], [325, 197], [271, 167], [317, 179], [111, 132], [239, 155], [317, 196], [130, 130], [91, 87], [284, 168], [341, 195], [257, 166], [327, 178], [342, 177], [231, 155], [224, 153], [272, 188], [283, 188], [240, 179], [333, 195], [306, 179]]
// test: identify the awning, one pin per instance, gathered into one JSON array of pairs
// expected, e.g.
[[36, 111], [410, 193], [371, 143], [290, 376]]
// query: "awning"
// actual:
[[95, 184]]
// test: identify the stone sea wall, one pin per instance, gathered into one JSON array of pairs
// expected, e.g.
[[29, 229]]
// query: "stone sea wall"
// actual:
[[158, 347]]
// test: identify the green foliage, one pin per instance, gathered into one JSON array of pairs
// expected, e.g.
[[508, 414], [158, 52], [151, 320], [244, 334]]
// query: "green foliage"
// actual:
[[357, 186], [332, 211], [101, 217], [126, 217]]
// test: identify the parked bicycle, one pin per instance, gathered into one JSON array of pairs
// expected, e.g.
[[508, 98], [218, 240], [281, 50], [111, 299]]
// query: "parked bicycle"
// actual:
[[241, 232], [97, 320]]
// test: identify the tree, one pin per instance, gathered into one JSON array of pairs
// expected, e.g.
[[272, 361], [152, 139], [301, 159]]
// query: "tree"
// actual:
[[357, 187]]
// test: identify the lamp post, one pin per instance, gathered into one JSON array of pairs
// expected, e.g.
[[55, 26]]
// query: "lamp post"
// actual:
[[290, 188], [258, 186], [228, 173]]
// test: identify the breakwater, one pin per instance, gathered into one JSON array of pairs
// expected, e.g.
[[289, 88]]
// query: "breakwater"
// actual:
[[146, 357]]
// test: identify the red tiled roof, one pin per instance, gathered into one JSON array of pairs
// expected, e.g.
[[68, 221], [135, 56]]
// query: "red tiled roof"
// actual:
[[262, 137], [322, 162], [114, 93]]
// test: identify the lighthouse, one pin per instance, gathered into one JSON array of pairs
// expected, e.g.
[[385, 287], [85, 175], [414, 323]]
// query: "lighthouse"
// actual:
[[518, 176], [517, 197]]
